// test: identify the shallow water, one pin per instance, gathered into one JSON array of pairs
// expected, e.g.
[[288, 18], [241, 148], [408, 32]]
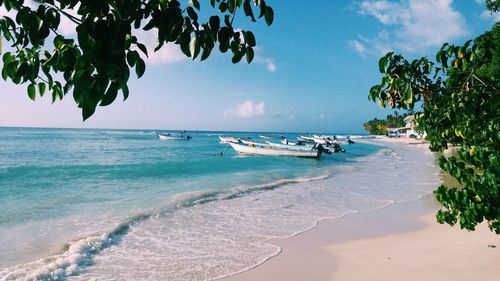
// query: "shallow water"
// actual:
[[120, 204]]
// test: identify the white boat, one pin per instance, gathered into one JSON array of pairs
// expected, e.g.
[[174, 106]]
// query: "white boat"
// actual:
[[251, 142], [299, 142], [173, 137], [320, 140], [326, 137], [228, 139], [265, 137], [291, 146], [306, 139], [269, 151]]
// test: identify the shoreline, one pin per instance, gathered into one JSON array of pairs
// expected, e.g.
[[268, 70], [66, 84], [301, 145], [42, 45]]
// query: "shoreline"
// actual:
[[305, 256], [364, 245]]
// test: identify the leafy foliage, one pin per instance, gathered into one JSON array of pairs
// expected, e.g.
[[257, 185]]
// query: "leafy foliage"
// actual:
[[98, 64], [493, 5], [376, 127], [461, 108], [379, 127]]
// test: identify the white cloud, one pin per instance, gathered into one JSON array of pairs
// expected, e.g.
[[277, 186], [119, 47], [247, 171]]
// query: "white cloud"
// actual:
[[377, 45], [262, 58], [247, 109], [358, 46], [271, 66], [169, 53], [411, 25], [487, 15], [383, 11]]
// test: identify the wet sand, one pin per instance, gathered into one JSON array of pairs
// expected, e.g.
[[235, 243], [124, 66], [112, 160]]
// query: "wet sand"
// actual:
[[400, 242]]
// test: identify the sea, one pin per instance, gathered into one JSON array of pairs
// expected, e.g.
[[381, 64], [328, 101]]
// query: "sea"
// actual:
[[101, 204]]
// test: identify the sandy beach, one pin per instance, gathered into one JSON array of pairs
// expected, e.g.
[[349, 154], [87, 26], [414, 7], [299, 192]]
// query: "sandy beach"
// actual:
[[399, 242]]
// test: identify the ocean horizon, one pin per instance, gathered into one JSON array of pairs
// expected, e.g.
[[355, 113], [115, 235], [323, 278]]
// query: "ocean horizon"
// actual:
[[82, 204]]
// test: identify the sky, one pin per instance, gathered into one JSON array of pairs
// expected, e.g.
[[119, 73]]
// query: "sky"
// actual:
[[312, 71]]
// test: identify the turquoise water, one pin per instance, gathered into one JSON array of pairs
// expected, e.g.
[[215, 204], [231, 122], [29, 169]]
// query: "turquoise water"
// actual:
[[107, 204]]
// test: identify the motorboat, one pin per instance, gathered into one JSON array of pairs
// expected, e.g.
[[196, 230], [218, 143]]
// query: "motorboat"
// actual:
[[169, 136], [266, 149]]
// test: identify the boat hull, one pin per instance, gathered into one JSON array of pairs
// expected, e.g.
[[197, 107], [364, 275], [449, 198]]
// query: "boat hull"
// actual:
[[292, 147], [269, 151], [228, 139], [164, 137]]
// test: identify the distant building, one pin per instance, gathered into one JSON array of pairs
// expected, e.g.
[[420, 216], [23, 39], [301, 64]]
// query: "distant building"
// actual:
[[408, 131]]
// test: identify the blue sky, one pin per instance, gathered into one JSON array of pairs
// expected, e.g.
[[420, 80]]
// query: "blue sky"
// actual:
[[312, 71]]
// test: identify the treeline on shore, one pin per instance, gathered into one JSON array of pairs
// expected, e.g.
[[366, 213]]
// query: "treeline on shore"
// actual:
[[379, 126]]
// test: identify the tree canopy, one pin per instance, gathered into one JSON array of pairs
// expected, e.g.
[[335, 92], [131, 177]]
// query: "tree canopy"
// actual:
[[460, 99], [97, 65], [379, 126]]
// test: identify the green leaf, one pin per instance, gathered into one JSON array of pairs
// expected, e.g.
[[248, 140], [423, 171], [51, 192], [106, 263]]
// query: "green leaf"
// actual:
[[195, 3], [248, 10], [381, 103], [382, 64], [7, 58], [249, 38], [41, 88], [58, 41], [269, 16], [12, 69], [192, 14], [184, 40], [140, 68], [223, 7], [465, 65], [31, 92], [263, 6], [249, 54], [206, 53], [110, 95], [214, 23], [238, 56], [224, 34], [231, 6], [4, 73], [227, 21], [132, 57], [408, 95], [143, 48], [124, 89], [88, 110]]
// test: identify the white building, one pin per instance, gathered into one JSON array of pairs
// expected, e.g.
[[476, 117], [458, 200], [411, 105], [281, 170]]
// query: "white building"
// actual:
[[407, 131]]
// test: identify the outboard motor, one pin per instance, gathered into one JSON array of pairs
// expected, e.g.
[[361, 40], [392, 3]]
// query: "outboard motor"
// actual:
[[322, 150], [337, 148]]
